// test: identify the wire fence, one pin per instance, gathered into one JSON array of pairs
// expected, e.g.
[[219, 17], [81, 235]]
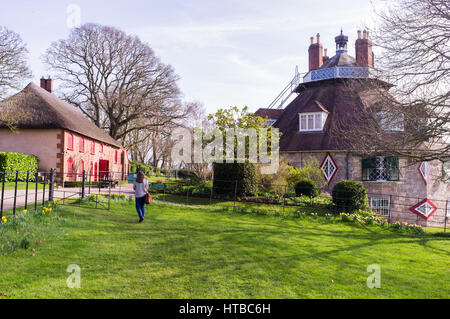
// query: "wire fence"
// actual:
[[34, 189], [285, 200]]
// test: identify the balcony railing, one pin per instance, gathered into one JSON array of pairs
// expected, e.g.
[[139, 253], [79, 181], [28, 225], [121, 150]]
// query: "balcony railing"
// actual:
[[339, 72]]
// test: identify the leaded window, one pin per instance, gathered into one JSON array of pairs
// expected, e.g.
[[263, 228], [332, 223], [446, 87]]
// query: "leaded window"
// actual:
[[380, 168]]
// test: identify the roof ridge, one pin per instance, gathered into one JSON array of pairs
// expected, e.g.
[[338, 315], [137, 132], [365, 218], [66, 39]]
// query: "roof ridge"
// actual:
[[49, 112]]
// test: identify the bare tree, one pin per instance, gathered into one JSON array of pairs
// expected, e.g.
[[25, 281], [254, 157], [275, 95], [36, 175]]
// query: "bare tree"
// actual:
[[153, 143], [115, 79], [13, 61], [413, 117]]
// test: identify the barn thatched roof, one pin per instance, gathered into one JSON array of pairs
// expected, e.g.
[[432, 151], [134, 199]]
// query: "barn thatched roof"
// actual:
[[38, 109]]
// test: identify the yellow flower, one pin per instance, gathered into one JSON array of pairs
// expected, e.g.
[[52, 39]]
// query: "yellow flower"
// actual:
[[25, 211], [49, 209], [4, 219]]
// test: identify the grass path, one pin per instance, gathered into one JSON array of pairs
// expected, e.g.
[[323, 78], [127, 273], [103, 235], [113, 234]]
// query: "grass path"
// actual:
[[181, 252]]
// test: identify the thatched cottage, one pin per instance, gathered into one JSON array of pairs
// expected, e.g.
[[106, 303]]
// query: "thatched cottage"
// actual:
[[397, 187], [60, 136]]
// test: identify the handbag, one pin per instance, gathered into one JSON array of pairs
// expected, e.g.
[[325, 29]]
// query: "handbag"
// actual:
[[148, 198]]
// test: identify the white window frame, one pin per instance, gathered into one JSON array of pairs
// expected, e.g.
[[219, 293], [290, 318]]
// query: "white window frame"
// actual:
[[322, 120], [382, 205]]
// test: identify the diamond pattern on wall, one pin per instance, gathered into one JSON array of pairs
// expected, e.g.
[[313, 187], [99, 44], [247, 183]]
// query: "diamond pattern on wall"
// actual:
[[329, 168], [424, 209], [424, 170]]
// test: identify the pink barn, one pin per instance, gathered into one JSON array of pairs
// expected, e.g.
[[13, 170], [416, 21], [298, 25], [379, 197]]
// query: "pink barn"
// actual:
[[60, 136]]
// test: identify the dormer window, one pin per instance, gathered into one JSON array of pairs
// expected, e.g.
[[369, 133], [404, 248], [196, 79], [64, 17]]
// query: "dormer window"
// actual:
[[312, 122]]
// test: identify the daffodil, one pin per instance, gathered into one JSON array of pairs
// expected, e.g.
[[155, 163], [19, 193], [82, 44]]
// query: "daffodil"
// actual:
[[25, 211], [4, 219]]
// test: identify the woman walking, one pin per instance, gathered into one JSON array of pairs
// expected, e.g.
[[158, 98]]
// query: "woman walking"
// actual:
[[140, 190]]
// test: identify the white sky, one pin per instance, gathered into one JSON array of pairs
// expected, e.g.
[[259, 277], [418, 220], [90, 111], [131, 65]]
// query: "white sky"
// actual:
[[227, 52]]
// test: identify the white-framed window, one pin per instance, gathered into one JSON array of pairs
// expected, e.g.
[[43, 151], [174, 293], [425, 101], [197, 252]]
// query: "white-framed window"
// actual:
[[424, 170], [391, 123], [380, 205], [312, 121]]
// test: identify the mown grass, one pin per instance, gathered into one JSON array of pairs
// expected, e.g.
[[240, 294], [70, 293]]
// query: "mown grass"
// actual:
[[182, 252]]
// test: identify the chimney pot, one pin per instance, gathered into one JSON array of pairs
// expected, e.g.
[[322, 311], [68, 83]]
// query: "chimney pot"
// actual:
[[363, 47], [359, 34], [315, 52]]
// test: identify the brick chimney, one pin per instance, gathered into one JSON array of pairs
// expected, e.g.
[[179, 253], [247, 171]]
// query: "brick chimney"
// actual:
[[47, 84], [315, 54], [363, 47]]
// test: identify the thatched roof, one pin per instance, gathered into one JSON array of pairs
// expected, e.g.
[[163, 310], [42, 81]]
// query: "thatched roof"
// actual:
[[38, 109]]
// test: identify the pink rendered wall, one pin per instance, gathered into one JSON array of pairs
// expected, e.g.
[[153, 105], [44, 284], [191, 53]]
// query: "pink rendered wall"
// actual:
[[41, 143], [108, 154]]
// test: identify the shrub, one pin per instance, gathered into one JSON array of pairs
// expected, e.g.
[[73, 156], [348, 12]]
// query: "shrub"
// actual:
[[186, 174], [147, 169], [227, 174], [309, 171], [12, 162], [275, 182], [306, 187], [349, 196]]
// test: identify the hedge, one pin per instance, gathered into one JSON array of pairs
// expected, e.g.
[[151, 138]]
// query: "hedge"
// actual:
[[306, 187], [226, 175], [12, 162], [349, 196]]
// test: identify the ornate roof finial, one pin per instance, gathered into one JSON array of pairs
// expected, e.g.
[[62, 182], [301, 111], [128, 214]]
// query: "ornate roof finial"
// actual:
[[341, 42]]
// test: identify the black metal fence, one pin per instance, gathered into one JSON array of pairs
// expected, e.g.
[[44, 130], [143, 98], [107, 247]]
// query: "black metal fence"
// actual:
[[282, 198], [35, 189]]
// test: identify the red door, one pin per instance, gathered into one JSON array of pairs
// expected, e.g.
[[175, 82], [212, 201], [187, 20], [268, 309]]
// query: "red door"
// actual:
[[104, 169], [95, 172]]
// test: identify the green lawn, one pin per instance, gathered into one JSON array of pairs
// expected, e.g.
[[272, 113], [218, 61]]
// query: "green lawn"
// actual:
[[183, 252]]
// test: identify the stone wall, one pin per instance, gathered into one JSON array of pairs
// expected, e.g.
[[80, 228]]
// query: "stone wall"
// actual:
[[410, 190]]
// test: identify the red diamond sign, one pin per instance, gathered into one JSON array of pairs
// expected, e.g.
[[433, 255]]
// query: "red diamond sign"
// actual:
[[424, 170], [329, 168], [424, 209]]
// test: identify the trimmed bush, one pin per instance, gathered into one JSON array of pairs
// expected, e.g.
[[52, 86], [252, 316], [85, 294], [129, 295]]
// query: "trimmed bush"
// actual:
[[349, 196], [226, 175], [306, 187], [186, 174], [147, 169], [12, 162]]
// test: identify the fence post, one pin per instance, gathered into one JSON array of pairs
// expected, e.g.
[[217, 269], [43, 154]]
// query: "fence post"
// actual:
[[390, 208], [211, 194], [109, 197], [284, 199], [83, 185], [3, 193], [447, 208], [235, 194], [90, 174], [15, 193], [36, 176], [51, 186], [43, 190], [26, 190]]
